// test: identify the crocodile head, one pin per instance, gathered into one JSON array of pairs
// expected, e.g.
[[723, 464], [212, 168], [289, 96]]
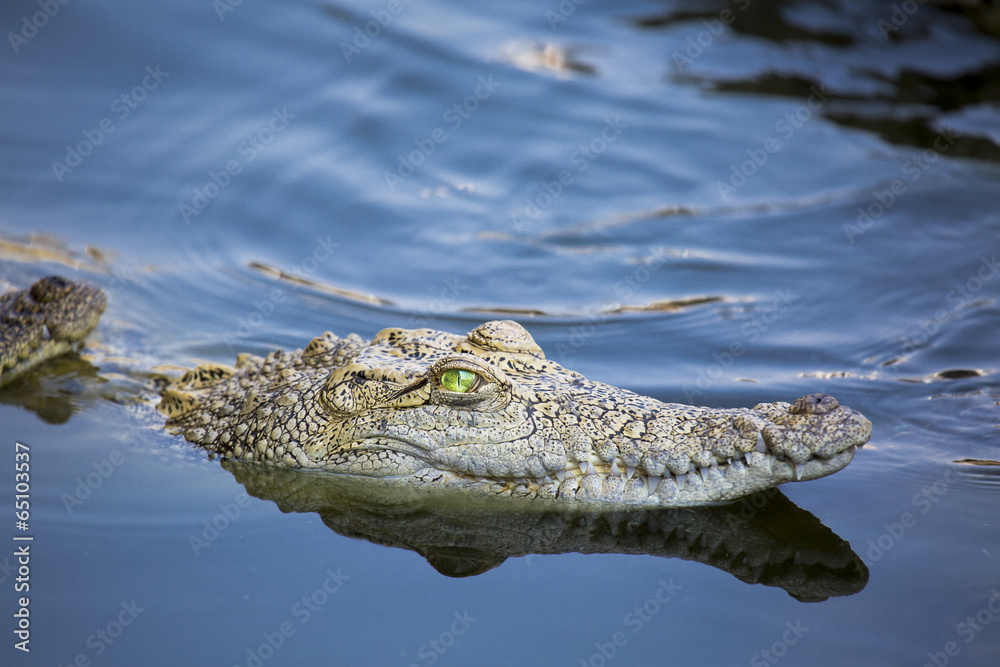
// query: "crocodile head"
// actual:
[[488, 412], [46, 320]]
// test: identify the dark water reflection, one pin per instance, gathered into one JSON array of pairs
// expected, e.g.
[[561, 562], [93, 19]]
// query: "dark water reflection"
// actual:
[[764, 539]]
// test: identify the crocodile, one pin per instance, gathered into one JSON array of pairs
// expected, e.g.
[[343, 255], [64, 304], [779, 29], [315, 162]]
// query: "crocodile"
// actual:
[[49, 319], [486, 413], [489, 413]]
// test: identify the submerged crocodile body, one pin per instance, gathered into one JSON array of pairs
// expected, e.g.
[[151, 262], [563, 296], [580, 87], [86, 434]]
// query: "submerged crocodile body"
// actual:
[[485, 413]]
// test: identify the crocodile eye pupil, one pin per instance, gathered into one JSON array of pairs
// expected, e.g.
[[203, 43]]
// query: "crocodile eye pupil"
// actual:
[[458, 380]]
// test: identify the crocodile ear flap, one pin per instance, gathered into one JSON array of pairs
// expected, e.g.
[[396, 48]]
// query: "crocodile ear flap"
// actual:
[[176, 403]]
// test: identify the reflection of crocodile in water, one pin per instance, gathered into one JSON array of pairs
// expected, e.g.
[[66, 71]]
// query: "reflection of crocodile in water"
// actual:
[[764, 539], [486, 413]]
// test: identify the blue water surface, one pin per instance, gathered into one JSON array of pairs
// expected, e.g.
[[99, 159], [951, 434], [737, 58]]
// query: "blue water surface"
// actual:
[[718, 203]]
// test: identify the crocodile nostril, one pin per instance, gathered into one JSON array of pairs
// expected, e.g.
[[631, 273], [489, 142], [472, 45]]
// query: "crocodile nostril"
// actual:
[[813, 404]]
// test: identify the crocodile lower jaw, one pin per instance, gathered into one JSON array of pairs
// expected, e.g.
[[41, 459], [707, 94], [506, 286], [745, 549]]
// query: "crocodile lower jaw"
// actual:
[[611, 484]]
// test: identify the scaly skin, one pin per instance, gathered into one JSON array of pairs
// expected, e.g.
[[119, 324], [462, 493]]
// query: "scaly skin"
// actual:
[[44, 321], [527, 427]]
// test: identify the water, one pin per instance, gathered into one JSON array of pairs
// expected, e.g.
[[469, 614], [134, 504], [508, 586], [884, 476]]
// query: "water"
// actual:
[[706, 207]]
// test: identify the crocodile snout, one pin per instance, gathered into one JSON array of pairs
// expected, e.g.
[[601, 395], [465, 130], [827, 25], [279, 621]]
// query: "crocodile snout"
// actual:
[[813, 404]]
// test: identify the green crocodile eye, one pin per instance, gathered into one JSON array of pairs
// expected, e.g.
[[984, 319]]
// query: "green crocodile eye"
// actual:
[[457, 380]]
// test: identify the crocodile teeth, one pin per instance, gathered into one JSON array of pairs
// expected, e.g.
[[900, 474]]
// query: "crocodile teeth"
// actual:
[[704, 474], [799, 467], [629, 471], [680, 480], [761, 446], [614, 469], [560, 474], [588, 468], [651, 484]]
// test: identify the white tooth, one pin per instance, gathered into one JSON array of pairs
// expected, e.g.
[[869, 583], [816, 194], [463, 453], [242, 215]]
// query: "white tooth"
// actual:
[[680, 480], [629, 471], [589, 469], [761, 447], [614, 469], [651, 484], [560, 474], [704, 474], [798, 471]]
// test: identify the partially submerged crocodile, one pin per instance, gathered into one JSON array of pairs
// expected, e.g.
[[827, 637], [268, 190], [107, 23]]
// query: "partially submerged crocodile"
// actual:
[[487, 413], [48, 319]]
